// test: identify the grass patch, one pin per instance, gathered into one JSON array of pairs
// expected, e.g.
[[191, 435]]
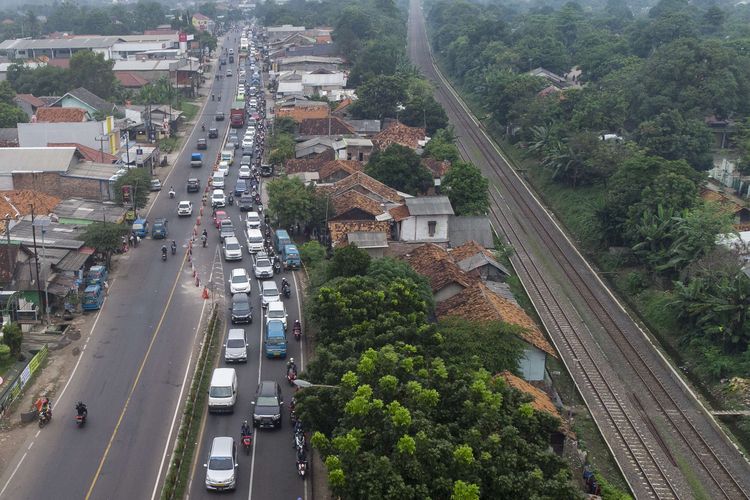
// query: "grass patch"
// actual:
[[6, 362], [189, 111], [177, 478], [169, 144]]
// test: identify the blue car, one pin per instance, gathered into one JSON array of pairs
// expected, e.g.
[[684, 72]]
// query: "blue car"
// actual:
[[140, 227], [159, 230], [274, 343], [240, 187]]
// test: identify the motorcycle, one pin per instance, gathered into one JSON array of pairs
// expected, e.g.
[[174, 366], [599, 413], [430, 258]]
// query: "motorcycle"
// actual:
[[164, 254], [299, 441], [230, 200], [277, 267], [247, 443], [81, 419], [297, 330], [171, 194], [174, 248], [291, 375], [44, 417], [203, 240], [286, 290], [301, 468]]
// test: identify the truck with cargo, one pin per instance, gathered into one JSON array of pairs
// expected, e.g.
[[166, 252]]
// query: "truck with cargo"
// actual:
[[237, 115]]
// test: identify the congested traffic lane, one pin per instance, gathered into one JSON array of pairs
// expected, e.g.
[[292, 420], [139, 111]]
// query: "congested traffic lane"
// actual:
[[269, 471], [130, 373]]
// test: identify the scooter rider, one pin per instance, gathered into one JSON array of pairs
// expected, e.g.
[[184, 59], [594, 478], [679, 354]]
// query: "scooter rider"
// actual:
[[164, 251], [174, 247], [291, 365], [81, 409], [171, 191], [204, 237], [246, 431]]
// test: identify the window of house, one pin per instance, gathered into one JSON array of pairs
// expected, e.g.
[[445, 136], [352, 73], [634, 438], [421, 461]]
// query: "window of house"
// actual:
[[348, 156], [431, 226], [361, 156]]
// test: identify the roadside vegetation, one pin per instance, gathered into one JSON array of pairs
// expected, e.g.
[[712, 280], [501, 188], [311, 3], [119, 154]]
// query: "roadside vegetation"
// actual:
[[621, 152], [415, 409]]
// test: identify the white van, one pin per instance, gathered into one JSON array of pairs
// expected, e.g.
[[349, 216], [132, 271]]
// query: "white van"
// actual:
[[222, 393], [235, 350], [254, 240], [217, 180], [228, 156], [221, 466], [253, 220]]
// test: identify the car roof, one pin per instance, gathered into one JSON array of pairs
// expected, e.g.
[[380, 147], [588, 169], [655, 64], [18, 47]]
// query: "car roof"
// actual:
[[276, 305], [218, 191], [222, 446], [193, 179], [231, 239], [239, 270], [269, 284], [236, 333], [240, 297], [267, 388]]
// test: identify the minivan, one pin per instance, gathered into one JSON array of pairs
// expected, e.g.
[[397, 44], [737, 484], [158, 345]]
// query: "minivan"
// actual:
[[254, 240], [276, 311], [235, 350], [274, 341], [221, 465], [269, 292], [281, 239], [222, 393], [217, 180], [267, 405], [228, 156], [253, 220]]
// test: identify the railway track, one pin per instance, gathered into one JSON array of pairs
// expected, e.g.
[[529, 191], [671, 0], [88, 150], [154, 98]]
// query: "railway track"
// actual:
[[664, 441]]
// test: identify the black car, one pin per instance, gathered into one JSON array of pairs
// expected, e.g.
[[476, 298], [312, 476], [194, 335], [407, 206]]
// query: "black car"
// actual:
[[240, 188], [246, 202], [219, 116], [213, 133], [202, 144], [193, 185], [242, 311], [267, 405]]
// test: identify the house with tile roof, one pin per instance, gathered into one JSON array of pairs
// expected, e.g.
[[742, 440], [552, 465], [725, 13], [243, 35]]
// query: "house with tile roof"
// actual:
[[359, 181], [299, 109], [478, 303], [87, 153], [445, 277], [363, 128], [728, 204], [328, 126], [29, 103], [477, 261], [60, 115], [398, 133], [82, 98], [311, 164], [130, 80], [336, 170], [437, 168]]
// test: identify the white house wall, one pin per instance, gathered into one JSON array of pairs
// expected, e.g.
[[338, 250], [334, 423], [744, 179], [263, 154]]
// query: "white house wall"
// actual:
[[532, 362], [416, 228]]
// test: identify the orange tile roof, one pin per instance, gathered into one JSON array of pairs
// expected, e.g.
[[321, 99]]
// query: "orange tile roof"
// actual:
[[348, 166], [31, 99], [438, 168], [89, 154], [60, 115], [331, 125], [21, 200], [342, 105], [398, 133], [727, 203], [469, 249], [312, 164], [479, 303], [399, 213], [130, 80], [350, 200], [433, 262], [361, 181], [540, 399]]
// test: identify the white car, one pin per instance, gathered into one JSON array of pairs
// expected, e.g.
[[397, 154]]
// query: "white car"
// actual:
[[232, 248], [185, 208], [223, 168], [269, 293], [253, 220], [244, 172], [239, 282], [218, 199], [263, 268], [250, 133], [247, 143], [276, 311], [217, 180]]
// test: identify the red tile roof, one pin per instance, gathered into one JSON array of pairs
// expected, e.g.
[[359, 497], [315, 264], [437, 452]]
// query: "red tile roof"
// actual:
[[130, 80], [399, 213], [438, 168], [433, 262], [60, 115], [540, 400], [398, 133], [31, 99], [469, 249], [332, 167], [312, 164], [89, 154], [354, 200], [364, 183], [332, 125], [479, 303], [343, 105]]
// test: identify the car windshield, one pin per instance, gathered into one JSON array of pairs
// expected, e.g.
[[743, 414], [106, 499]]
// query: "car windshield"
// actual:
[[137, 226], [219, 196], [184, 205], [239, 278], [233, 246], [256, 239], [263, 263], [241, 307], [275, 314], [235, 343], [267, 401], [220, 392], [220, 463], [270, 292]]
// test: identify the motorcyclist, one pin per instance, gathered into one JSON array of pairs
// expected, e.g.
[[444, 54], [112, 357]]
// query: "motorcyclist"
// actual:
[[203, 127], [291, 365], [171, 191], [204, 237], [246, 431], [81, 409], [212, 97], [164, 250], [174, 247], [284, 283]]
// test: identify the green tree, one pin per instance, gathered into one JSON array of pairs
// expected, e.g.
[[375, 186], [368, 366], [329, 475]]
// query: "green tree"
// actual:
[[285, 125], [139, 181], [672, 137], [466, 188], [400, 168], [45, 80], [289, 201], [105, 237], [424, 111], [11, 116], [7, 94], [281, 148], [442, 146], [387, 269], [13, 338], [348, 261], [91, 71], [379, 97]]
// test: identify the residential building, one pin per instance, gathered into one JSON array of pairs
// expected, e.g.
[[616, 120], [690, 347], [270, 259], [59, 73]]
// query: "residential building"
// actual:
[[60, 115], [83, 99], [479, 303], [54, 48], [80, 211], [202, 23], [398, 133], [300, 109], [478, 262], [328, 126], [445, 277], [465, 228], [276, 33], [28, 103], [427, 219], [374, 243], [52, 126], [308, 63], [364, 128]]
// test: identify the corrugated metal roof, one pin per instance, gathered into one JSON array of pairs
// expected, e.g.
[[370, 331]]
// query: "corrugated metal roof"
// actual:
[[36, 159], [83, 42], [364, 239], [57, 236], [72, 261], [429, 205], [91, 170], [77, 208], [467, 228]]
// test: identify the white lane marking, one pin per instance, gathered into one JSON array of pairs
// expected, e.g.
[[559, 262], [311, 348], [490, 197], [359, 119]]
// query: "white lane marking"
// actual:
[[299, 315], [252, 465], [70, 379], [179, 399]]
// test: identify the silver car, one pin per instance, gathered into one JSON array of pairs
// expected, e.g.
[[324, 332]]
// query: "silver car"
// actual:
[[263, 268], [235, 350], [232, 248]]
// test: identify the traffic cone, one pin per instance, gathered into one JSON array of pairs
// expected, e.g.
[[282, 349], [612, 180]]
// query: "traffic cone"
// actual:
[[198, 221], [205, 292]]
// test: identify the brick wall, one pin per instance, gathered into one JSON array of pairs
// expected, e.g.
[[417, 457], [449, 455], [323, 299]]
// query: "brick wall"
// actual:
[[339, 229], [61, 186]]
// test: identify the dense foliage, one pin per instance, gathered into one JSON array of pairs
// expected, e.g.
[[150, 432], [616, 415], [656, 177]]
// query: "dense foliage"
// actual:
[[416, 411]]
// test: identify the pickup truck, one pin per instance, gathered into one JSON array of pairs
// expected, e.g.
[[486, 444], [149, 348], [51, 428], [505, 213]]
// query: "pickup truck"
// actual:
[[196, 160]]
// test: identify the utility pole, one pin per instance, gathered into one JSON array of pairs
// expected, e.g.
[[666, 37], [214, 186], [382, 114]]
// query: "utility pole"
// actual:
[[36, 255]]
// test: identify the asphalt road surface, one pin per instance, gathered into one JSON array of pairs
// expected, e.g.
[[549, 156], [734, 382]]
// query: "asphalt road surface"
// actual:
[[132, 370], [269, 470]]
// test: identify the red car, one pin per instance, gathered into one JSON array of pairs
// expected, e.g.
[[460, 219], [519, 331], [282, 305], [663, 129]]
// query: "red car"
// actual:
[[218, 216]]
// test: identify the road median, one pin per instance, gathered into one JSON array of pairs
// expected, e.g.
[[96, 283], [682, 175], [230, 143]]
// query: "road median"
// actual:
[[177, 479]]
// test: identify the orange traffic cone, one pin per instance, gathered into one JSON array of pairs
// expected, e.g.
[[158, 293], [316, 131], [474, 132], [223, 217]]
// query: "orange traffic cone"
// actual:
[[205, 292]]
